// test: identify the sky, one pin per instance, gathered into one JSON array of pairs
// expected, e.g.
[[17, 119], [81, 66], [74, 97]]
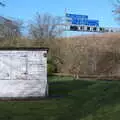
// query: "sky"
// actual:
[[95, 9]]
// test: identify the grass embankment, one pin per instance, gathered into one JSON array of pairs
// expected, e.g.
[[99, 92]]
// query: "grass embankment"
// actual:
[[69, 100]]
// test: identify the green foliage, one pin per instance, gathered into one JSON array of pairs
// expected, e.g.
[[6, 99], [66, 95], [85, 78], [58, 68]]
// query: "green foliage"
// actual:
[[51, 67]]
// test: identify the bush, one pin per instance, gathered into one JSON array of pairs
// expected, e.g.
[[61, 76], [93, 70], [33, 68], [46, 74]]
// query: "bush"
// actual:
[[51, 67]]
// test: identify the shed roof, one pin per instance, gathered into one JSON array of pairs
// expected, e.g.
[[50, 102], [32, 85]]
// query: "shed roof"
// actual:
[[25, 48]]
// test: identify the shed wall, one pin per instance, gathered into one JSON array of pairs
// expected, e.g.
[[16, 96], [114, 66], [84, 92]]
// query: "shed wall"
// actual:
[[23, 73]]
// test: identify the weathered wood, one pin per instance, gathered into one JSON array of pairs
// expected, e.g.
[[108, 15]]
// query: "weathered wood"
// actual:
[[23, 73]]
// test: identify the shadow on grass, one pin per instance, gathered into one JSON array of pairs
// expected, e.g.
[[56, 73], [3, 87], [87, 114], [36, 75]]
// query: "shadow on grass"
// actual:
[[63, 88], [84, 98]]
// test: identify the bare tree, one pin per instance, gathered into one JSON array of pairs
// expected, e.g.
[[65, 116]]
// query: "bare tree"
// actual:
[[45, 27], [10, 29], [2, 4], [19, 26], [116, 10]]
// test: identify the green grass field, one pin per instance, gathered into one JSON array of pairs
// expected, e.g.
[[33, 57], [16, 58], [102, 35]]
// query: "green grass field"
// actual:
[[69, 100]]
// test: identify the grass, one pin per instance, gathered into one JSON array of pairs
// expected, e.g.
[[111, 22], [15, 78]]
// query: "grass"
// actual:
[[69, 100]]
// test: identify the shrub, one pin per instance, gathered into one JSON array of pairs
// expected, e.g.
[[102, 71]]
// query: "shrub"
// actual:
[[51, 67]]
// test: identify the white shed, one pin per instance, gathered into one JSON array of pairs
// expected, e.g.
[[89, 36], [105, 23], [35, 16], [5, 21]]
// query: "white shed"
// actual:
[[23, 72]]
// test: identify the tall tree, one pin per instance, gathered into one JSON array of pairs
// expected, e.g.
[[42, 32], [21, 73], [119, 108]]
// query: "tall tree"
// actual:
[[116, 10], [45, 27], [10, 30], [2, 4]]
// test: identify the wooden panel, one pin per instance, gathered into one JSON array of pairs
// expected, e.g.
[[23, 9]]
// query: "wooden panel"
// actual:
[[25, 65], [23, 73]]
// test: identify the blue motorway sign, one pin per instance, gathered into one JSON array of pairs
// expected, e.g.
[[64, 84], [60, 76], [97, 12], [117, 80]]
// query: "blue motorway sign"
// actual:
[[93, 23], [81, 20], [74, 16], [78, 19]]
